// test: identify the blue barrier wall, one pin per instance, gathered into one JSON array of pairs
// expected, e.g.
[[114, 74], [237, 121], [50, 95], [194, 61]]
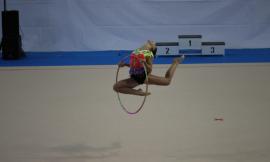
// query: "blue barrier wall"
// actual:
[[113, 57]]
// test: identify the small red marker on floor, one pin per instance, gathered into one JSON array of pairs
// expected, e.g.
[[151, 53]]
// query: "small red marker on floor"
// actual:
[[219, 119]]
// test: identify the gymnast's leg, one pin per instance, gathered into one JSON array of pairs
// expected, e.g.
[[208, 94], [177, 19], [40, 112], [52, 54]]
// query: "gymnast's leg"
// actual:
[[164, 81], [127, 86]]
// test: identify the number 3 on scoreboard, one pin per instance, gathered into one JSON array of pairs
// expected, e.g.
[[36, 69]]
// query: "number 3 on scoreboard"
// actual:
[[212, 49]]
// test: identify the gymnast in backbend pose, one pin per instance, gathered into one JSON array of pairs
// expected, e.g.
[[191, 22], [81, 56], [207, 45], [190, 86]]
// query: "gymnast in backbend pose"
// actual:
[[144, 55]]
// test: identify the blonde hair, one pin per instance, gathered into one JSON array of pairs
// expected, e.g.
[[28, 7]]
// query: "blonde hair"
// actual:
[[149, 45]]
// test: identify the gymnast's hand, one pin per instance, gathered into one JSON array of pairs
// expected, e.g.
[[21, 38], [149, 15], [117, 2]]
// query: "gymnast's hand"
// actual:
[[121, 64]]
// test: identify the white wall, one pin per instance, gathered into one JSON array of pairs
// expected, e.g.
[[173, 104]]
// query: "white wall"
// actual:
[[79, 25]]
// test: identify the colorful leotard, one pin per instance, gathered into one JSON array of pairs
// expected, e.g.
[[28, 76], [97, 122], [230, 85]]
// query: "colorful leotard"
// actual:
[[136, 58], [137, 71]]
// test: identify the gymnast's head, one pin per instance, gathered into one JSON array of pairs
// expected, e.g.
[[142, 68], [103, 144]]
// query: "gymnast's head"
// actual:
[[151, 46]]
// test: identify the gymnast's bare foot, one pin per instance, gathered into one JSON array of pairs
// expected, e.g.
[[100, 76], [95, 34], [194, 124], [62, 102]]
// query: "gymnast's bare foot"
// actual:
[[142, 93], [179, 60]]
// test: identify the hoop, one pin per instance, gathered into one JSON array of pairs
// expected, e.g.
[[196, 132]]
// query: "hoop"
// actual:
[[145, 96]]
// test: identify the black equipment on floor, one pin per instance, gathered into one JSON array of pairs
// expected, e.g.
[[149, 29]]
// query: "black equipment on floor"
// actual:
[[11, 44]]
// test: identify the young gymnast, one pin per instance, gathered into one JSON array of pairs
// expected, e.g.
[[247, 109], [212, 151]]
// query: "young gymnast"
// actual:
[[144, 55]]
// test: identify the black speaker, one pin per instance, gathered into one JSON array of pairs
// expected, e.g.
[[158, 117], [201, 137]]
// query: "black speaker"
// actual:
[[10, 23], [11, 41], [12, 48]]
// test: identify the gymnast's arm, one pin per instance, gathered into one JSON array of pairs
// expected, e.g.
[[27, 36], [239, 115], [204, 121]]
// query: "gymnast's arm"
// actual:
[[123, 64], [148, 64]]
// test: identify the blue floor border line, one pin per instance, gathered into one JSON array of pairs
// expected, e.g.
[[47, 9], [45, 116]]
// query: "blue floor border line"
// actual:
[[113, 57]]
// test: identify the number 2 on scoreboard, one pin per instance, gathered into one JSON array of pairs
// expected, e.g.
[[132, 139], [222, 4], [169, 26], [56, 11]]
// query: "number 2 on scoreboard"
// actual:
[[167, 51]]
